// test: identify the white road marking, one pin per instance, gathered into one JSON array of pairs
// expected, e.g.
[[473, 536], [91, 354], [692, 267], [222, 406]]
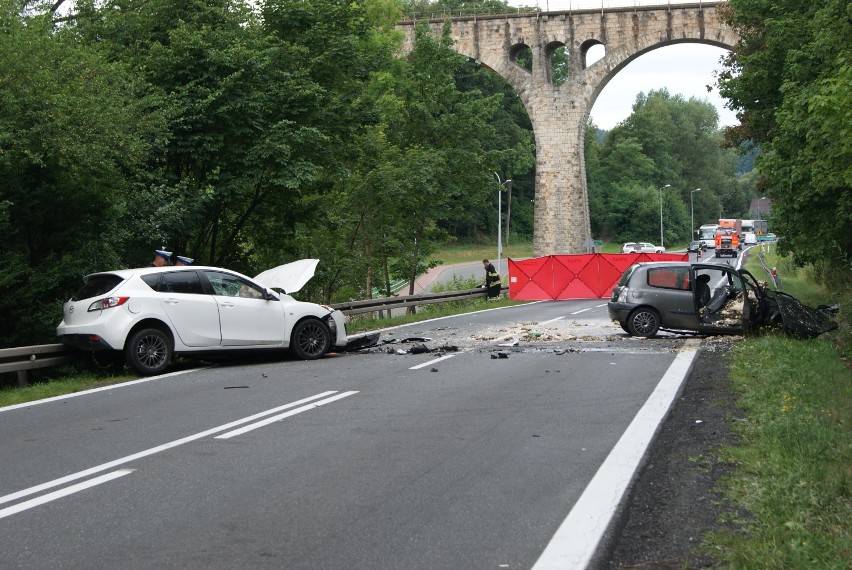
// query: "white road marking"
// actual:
[[274, 419], [551, 321], [577, 538], [581, 311], [598, 306], [115, 463], [433, 361], [13, 510]]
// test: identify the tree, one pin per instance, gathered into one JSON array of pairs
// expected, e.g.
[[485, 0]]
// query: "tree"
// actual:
[[788, 78], [72, 126]]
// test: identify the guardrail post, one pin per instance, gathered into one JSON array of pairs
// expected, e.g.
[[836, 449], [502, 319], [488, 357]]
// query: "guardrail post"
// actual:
[[22, 379]]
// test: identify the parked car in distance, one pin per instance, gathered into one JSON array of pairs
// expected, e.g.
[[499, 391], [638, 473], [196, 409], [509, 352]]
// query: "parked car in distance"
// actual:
[[641, 247], [696, 246], [151, 314], [706, 299], [646, 247]]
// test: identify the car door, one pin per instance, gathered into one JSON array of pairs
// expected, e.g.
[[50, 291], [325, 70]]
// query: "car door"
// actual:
[[668, 290], [193, 314], [728, 309], [246, 316]]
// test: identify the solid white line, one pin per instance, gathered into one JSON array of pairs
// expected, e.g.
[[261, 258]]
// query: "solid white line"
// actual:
[[274, 419], [115, 463], [577, 538], [9, 511], [101, 389], [433, 361]]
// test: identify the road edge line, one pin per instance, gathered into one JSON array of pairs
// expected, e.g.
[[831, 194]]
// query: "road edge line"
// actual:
[[576, 540]]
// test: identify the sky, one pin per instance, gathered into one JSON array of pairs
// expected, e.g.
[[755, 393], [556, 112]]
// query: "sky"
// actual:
[[683, 69]]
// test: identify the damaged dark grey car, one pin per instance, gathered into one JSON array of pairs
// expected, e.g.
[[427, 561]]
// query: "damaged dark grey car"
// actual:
[[707, 299]]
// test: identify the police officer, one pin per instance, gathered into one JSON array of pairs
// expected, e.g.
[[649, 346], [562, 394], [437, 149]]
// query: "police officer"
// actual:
[[161, 258]]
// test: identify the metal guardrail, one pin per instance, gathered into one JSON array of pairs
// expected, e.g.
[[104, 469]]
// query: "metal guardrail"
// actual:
[[25, 358], [372, 305]]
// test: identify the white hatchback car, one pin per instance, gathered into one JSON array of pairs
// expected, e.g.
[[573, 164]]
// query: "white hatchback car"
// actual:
[[645, 247], [150, 314]]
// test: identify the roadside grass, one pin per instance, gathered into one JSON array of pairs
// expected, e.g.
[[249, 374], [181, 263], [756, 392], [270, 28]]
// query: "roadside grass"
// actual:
[[75, 381], [792, 481], [473, 252]]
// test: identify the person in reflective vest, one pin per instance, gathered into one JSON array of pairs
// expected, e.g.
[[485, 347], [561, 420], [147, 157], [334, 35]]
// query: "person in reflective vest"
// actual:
[[492, 280]]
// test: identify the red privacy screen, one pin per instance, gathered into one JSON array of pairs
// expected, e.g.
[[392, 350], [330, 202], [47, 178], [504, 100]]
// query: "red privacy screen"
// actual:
[[585, 276]]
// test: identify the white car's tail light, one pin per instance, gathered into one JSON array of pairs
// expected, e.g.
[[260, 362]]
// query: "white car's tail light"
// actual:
[[108, 303]]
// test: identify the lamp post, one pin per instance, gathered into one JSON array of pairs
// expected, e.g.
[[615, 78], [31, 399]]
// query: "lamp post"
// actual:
[[661, 213], [758, 206], [692, 213], [500, 219]]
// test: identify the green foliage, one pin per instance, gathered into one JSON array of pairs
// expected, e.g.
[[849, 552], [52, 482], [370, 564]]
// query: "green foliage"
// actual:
[[666, 140], [789, 79]]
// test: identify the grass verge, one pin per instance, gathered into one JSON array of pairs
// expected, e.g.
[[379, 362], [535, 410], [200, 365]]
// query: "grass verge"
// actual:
[[792, 482]]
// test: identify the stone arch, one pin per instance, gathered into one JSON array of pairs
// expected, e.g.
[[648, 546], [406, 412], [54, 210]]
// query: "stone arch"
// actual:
[[558, 113], [584, 50], [551, 51], [518, 54], [602, 71]]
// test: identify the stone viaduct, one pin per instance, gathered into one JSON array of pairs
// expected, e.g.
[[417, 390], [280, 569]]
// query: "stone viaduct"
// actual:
[[559, 112]]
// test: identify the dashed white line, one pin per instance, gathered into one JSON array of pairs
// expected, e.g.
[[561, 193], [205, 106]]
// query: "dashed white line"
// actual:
[[279, 417], [433, 361], [15, 509], [581, 311], [115, 463]]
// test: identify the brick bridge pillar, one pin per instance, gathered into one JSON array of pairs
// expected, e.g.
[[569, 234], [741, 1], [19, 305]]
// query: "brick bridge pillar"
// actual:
[[559, 112]]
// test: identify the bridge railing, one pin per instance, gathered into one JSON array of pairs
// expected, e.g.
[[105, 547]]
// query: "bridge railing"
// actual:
[[557, 6]]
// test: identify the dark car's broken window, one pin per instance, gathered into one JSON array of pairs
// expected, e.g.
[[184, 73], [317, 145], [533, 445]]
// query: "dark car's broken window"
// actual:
[[669, 278]]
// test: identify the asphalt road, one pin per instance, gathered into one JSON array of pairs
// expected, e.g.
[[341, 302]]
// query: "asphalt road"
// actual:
[[455, 458]]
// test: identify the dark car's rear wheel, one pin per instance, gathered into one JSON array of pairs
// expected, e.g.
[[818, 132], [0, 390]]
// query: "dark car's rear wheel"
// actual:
[[148, 352], [643, 322], [310, 340]]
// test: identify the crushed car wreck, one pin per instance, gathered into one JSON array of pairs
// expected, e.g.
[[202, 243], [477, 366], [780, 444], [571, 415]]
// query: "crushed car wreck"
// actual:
[[707, 299]]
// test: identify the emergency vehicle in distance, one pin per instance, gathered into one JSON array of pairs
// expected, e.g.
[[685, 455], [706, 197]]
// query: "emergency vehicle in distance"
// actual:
[[728, 238]]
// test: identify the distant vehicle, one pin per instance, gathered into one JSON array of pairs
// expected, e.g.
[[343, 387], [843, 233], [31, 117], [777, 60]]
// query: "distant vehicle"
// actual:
[[707, 299], [150, 314], [695, 246], [727, 242], [750, 238], [646, 247], [707, 235], [733, 226], [642, 247], [767, 237]]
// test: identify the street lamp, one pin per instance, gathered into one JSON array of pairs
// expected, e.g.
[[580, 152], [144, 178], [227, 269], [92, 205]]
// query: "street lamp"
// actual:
[[500, 219], [758, 206], [661, 213], [692, 212]]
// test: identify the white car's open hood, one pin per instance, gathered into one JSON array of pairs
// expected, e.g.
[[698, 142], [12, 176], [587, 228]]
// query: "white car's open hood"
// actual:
[[289, 277]]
